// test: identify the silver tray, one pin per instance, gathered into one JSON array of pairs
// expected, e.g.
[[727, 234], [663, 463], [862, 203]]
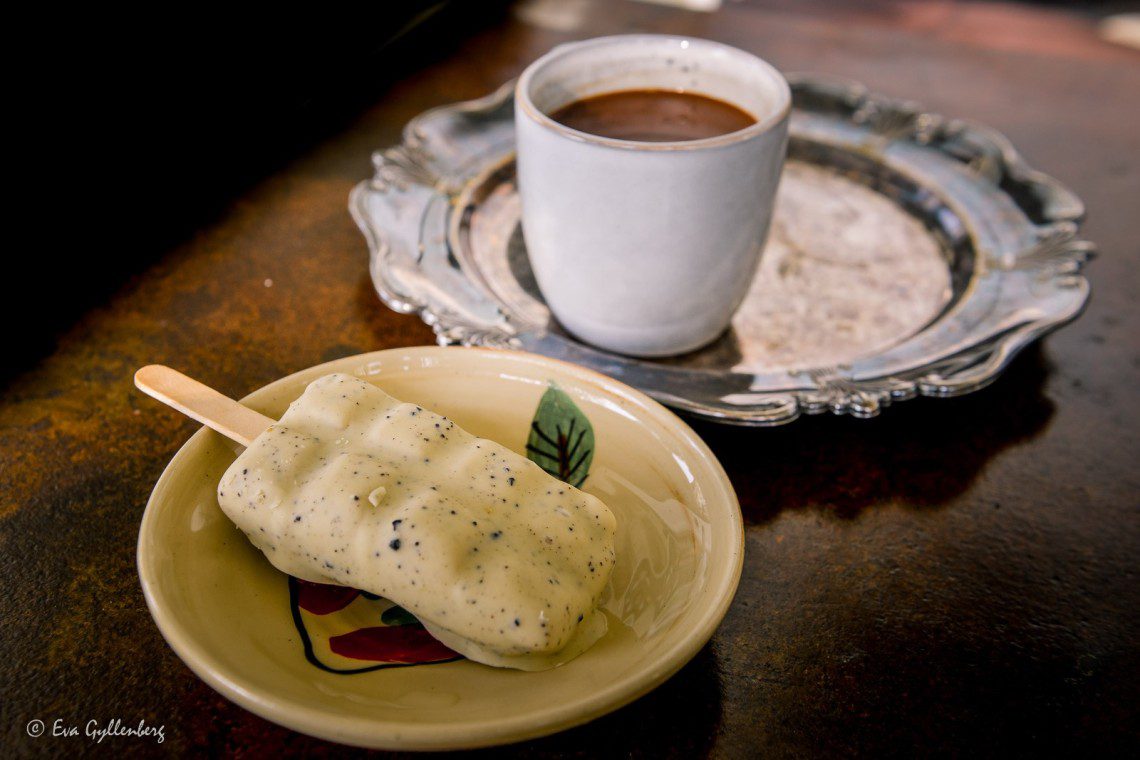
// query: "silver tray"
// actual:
[[911, 254]]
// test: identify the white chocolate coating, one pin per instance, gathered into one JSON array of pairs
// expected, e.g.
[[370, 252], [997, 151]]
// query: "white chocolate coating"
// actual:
[[499, 560]]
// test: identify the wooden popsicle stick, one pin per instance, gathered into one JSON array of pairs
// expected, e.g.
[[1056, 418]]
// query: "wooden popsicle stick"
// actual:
[[202, 403]]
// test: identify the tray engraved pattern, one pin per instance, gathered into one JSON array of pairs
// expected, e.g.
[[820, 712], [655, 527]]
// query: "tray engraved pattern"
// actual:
[[911, 254]]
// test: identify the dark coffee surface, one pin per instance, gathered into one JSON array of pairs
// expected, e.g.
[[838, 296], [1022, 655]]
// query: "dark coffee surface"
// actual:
[[653, 116]]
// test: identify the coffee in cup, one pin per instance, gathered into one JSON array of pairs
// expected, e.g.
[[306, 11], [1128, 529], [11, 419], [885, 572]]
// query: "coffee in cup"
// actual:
[[647, 170]]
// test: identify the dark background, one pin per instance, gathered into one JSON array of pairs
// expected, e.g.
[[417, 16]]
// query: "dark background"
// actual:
[[136, 129]]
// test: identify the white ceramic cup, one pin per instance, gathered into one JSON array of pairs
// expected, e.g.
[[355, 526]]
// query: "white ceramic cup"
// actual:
[[647, 248]]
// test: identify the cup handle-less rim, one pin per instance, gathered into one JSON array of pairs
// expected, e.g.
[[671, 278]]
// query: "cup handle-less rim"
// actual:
[[762, 125]]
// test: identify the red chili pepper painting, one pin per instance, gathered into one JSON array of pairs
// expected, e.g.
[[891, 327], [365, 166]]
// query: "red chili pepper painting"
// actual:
[[398, 639]]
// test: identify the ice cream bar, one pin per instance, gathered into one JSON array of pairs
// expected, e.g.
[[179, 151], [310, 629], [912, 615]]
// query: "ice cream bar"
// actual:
[[500, 561]]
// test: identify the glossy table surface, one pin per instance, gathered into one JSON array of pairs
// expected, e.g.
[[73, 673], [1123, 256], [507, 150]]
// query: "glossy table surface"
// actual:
[[954, 577]]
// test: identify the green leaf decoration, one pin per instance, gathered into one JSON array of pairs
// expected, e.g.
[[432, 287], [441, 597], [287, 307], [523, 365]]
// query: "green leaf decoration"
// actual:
[[397, 615], [561, 438]]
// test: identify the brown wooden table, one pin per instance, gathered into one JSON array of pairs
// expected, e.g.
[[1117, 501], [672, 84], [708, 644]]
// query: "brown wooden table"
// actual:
[[955, 577]]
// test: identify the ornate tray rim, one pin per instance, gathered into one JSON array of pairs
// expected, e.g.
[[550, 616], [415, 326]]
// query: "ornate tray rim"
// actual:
[[1059, 252]]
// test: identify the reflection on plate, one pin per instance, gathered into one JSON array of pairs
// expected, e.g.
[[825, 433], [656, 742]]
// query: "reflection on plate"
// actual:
[[846, 273], [351, 668]]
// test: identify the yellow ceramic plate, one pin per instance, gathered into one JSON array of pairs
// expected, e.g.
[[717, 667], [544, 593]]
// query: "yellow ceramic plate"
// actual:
[[232, 618]]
